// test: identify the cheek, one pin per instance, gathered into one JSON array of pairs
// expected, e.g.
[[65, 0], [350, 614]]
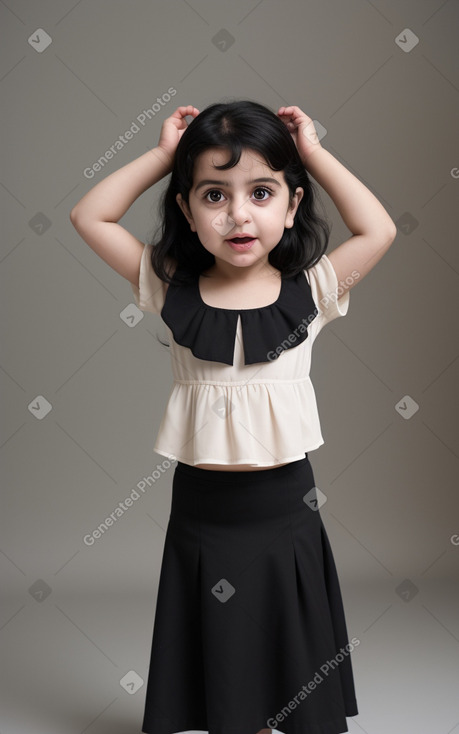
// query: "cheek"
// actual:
[[206, 231], [204, 217], [276, 216]]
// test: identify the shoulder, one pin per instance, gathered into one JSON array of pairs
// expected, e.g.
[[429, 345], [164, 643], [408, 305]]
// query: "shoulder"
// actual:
[[170, 264], [332, 300], [150, 290]]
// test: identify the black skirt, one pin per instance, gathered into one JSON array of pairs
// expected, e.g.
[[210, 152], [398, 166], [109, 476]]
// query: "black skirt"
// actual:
[[249, 631]]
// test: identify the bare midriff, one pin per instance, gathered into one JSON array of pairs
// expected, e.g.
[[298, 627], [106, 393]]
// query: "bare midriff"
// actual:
[[236, 467]]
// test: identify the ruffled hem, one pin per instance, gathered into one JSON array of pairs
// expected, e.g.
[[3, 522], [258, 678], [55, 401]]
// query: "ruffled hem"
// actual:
[[251, 424], [219, 462]]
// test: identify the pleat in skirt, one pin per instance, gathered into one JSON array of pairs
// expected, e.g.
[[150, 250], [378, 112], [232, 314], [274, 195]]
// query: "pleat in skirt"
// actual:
[[249, 630]]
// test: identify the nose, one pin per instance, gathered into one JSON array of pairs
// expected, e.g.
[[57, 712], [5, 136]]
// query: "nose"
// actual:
[[238, 211]]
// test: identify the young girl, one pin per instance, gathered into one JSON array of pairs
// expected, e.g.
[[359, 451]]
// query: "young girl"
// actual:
[[249, 632]]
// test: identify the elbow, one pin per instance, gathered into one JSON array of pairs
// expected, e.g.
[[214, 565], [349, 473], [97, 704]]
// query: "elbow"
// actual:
[[73, 215], [387, 233], [391, 233], [76, 217]]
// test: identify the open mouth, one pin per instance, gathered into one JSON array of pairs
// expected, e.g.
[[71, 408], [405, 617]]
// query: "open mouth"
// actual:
[[241, 243]]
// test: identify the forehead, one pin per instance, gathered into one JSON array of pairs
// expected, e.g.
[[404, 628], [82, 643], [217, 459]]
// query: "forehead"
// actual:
[[250, 163]]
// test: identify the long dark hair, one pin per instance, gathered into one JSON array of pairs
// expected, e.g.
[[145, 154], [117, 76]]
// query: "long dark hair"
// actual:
[[236, 126]]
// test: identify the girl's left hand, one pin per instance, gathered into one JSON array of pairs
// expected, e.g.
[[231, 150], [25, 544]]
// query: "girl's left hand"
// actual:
[[302, 130]]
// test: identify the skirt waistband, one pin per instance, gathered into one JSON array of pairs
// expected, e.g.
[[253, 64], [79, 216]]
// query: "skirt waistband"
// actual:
[[216, 475]]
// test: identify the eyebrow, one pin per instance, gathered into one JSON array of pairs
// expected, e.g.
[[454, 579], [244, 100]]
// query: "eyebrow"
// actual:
[[228, 183]]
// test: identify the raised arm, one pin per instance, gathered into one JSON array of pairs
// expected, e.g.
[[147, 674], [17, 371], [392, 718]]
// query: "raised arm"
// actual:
[[374, 231], [372, 227], [96, 215]]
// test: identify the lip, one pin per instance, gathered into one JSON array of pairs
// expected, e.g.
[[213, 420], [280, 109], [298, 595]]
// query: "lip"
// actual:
[[241, 234], [242, 247]]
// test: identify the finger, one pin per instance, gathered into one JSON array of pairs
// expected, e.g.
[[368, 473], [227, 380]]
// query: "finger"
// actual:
[[183, 111], [188, 110], [291, 111]]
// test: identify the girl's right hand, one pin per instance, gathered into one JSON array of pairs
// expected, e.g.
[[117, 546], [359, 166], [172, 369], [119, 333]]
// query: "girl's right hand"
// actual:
[[173, 128]]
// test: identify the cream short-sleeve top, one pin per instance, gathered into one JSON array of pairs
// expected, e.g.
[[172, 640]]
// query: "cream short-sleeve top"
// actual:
[[242, 392]]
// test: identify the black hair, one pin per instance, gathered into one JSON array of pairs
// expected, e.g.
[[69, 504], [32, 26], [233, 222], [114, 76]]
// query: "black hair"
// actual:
[[235, 126]]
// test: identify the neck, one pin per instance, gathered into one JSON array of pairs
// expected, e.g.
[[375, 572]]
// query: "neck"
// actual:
[[225, 271]]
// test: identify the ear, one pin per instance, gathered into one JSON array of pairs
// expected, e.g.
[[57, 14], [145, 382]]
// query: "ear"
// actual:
[[186, 211], [293, 207]]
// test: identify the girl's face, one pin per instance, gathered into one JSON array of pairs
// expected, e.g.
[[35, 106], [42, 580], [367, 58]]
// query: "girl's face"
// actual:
[[248, 198]]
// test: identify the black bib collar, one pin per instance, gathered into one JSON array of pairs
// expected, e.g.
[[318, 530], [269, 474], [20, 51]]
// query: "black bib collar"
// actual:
[[210, 332]]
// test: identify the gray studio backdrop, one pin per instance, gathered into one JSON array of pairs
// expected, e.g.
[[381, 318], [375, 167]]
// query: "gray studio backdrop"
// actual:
[[84, 391]]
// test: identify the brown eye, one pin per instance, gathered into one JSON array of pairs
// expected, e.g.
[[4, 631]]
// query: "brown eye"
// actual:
[[266, 191], [214, 191]]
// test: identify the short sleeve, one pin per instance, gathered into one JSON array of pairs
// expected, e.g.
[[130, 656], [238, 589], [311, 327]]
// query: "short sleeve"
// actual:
[[151, 293], [332, 300]]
